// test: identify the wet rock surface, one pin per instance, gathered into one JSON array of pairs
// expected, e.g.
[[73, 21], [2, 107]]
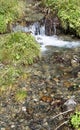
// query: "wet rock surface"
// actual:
[[53, 80]]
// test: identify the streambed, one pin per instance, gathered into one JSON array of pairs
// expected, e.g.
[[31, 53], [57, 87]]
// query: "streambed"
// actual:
[[53, 80]]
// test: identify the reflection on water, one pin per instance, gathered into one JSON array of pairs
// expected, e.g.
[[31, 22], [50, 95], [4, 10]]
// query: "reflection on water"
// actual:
[[39, 33]]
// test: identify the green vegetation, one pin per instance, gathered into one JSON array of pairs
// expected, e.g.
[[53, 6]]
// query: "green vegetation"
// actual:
[[75, 120], [20, 95], [10, 10], [17, 51], [3, 24], [19, 48], [69, 13]]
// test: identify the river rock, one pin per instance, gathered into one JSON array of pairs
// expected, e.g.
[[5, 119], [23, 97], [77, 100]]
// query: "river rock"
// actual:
[[70, 103], [32, 17]]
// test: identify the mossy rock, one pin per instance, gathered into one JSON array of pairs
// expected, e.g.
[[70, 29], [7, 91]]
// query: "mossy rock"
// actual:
[[34, 16]]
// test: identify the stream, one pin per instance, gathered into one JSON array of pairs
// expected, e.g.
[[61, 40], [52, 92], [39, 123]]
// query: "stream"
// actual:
[[46, 41], [53, 86], [55, 78]]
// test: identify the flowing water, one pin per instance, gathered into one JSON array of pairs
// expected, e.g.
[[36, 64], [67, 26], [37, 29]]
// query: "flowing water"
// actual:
[[46, 41], [53, 80]]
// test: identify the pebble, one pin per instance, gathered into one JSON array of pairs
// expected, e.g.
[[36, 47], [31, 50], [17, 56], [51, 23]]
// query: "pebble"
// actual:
[[47, 93], [27, 128], [70, 103], [78, 74], [24, 108], [12, 126], [3, 128]]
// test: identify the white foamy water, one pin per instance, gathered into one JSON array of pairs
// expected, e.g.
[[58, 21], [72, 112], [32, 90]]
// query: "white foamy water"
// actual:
[[55, 41], [45, 41]]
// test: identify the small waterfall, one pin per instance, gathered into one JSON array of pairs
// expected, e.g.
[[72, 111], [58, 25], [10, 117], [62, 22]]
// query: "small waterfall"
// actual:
[[54, 28], [38, 31], [37, 28]]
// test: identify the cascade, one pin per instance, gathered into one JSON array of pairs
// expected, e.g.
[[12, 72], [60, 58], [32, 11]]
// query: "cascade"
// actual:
[[54, 28], [38, 31], [37, 28]]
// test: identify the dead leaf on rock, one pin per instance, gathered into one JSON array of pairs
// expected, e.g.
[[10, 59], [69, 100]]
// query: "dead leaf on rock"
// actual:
[[67, 84], [56, 102], [56, 80], [46, 99]]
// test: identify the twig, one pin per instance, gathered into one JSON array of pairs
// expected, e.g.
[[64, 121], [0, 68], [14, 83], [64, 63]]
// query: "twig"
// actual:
[[62, 124], [62, 113]]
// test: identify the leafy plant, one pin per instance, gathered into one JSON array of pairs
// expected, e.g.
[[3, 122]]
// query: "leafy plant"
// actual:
[[75, 120]]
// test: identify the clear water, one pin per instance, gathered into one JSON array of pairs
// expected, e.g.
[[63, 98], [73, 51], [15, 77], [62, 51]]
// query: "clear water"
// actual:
[[45, 41]]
